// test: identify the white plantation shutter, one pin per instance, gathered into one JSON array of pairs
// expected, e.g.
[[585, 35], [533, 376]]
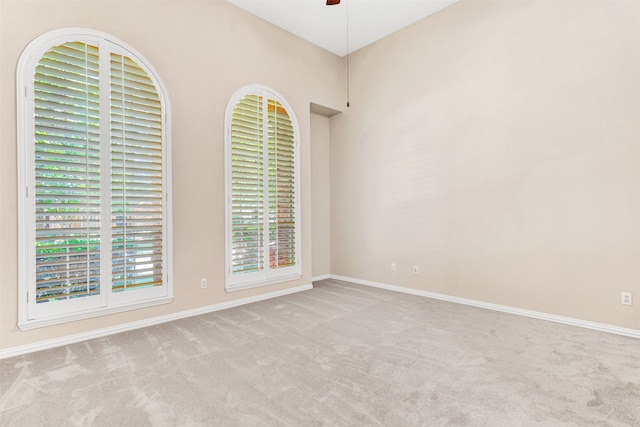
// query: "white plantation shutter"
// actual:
[[247, 186], [282, 192], [67, 173], [263, 227], [136, 176], [94, 173]]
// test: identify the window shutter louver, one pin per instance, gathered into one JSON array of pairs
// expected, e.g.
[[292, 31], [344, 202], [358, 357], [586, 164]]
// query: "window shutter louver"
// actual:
[[136, 177], [67, 173], [247, 193]]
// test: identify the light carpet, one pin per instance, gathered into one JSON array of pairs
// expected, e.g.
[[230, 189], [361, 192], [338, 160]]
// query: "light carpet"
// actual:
[[337, 355]]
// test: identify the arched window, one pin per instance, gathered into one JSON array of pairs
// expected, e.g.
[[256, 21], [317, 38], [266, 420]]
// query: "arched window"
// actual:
[[94, 179], [262, 186]]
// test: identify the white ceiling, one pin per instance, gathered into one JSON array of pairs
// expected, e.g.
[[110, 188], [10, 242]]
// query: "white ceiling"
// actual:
[[326, 26]]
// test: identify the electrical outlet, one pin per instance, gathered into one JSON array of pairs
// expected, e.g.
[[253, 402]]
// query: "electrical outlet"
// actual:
[[393, 266], [626, 298], [203, 283], [416, 270]]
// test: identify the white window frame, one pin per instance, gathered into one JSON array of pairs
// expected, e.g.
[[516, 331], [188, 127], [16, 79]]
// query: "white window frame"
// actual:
[[268, 276], [109, 303]]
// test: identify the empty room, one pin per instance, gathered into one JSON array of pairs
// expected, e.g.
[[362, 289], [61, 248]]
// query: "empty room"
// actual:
[[319, 213]]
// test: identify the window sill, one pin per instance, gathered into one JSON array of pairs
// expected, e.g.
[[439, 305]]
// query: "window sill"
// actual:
[[40, 323], [257, 284]]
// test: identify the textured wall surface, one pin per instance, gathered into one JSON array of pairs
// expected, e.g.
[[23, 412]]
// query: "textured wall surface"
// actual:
[[320, 195], [496, 145]]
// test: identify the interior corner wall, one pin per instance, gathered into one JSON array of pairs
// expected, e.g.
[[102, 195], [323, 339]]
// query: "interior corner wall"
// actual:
[[496, 146], [320, 196], [204, 51]]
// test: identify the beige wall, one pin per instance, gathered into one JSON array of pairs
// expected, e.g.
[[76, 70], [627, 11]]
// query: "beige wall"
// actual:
[[320, 195], [496, 145], [204, 51]]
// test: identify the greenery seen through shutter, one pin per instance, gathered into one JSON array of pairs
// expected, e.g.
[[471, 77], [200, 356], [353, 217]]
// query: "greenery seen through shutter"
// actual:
[[67, 173]]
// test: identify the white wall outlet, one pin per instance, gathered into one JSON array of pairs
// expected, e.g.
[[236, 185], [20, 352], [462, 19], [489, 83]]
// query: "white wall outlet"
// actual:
[[393, 266], [626, 298], [416, 269], [203, 283]]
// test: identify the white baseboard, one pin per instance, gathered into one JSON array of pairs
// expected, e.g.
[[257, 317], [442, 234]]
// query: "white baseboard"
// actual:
[[72, 339], [602, 327], [323, 277], [99, 333]]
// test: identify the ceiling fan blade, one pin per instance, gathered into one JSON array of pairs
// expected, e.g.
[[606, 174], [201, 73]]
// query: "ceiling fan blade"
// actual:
[[332, 2]]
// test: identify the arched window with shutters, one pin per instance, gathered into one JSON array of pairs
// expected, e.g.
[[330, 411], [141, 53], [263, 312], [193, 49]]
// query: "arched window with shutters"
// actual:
[[94, 179], [262, 189]]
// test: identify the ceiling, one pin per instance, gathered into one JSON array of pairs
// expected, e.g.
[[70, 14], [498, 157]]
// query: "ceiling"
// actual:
[[326, 26]]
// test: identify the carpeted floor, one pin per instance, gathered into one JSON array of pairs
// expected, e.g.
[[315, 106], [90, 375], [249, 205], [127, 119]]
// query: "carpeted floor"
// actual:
[[337, 355]]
